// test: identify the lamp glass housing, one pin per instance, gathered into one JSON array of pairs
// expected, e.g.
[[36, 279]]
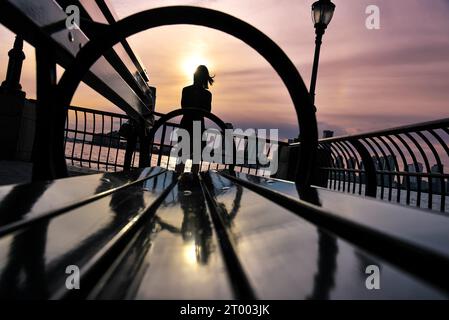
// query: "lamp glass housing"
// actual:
[[322, 12]]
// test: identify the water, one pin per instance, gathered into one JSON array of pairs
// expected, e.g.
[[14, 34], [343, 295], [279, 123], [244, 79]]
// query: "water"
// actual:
[[103, 158], [98, 158]]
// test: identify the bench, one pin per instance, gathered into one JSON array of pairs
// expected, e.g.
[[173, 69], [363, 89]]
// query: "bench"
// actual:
[[151, 233]]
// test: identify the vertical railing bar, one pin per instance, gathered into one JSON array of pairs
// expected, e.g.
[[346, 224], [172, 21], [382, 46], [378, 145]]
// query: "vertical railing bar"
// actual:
[[378, 171], [336, 174], [339, 171], [237, 148], [117, 149], [346, 159], [75, 137], [388, 167], [406, 178], [349, 165], [415, 164], [333, 164], [396, 163], [247, 154], [257, 150], [133, 159], [201, 159], [209, 166], [426, 163], [343, 145], [84, 138], [438, 162], [443, 181], [161, 144], [101, 141], [270, 145], [151, 147], [370, 177], [356, 164], [66, 129], [91, 140], [171, 148], [110, 143], [223, 151]]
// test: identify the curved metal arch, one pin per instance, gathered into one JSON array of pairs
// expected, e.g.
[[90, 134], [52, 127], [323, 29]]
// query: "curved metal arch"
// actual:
[[347, 157], [274, 55], [442, 183], [405, 169], [333, 173], [356, 165], [396, 164], [415, 164], [384, 154], [187, 111], [426, 164], [368, 142], [369, 167], [440, 140], [339, 173], [438, 161]]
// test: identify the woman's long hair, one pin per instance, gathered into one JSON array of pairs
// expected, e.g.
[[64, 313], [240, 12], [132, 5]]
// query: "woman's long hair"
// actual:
[[201, 77]]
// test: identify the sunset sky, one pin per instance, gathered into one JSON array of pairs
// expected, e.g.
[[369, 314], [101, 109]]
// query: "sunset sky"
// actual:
[[368, 79]]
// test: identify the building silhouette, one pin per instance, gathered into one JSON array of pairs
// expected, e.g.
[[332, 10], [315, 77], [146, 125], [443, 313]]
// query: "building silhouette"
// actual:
[[437, 183], [414, 179]]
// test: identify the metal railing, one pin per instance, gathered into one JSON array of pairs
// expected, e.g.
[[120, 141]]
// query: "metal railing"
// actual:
[[405, 164], [92, 141]]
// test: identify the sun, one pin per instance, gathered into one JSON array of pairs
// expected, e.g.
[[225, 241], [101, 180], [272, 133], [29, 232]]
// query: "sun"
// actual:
[[190, 63]]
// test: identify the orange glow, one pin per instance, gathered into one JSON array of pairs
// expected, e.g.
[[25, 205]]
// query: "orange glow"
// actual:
[[191, 62]]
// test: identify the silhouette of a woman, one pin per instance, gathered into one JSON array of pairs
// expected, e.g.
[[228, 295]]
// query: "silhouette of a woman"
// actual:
[[196, 96]]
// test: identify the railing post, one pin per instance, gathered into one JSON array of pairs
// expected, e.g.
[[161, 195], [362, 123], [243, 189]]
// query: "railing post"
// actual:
[[144, 150], [131, 143], [48, 149], [130, 148], [370, 169]]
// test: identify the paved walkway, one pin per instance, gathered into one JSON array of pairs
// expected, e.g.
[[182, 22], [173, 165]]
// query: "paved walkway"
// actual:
[[12, 172]]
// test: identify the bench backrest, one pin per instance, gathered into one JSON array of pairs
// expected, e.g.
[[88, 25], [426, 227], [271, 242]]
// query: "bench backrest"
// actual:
[[118, 75]]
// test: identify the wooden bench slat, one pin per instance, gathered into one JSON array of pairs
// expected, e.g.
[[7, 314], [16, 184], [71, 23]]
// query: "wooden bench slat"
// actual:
[[177, 255], [83, 237], [23, 204], [419, 228], [118, 56], [109, 14], [288, 257], [38, 20]]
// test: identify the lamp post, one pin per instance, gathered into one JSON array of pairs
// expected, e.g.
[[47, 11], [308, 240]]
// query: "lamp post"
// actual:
[[322, 12]]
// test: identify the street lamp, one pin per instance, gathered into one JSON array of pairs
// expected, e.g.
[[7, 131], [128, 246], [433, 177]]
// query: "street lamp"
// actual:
[[322, 12]]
